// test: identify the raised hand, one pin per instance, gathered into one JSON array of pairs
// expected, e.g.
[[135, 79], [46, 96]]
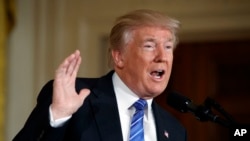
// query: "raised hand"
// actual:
[[65, 100]]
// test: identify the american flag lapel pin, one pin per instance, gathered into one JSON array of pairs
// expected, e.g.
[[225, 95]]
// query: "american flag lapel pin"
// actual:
[[166, 134]]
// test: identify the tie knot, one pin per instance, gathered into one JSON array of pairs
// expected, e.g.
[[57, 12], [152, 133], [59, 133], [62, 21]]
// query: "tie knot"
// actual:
[[140, 104]]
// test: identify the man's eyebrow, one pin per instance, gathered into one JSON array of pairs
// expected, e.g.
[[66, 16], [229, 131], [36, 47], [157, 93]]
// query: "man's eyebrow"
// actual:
[[149, 40], [154, 40], [170, 40]]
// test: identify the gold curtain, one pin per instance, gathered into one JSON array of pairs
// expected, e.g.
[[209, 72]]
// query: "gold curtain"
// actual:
[[6, 23]]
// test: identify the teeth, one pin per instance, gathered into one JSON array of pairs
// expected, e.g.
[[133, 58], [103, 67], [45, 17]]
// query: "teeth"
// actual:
[[160, 72], [157, 73]]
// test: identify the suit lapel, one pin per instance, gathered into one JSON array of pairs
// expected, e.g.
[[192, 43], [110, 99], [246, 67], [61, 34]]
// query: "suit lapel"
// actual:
[[106, 111], [161, 128]]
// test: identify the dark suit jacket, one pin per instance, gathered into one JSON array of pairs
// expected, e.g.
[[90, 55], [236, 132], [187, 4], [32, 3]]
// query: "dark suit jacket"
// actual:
[[97, 120]]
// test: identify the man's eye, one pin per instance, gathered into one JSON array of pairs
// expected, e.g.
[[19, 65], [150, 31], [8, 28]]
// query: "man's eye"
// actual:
[[148, 46], [169, 47]]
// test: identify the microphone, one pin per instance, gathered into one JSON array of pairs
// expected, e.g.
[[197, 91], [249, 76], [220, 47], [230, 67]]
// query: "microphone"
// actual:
[[184, 105], [180, 103]]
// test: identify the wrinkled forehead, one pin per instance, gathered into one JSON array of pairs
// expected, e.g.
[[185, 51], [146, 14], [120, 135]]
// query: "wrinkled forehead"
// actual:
[[150, 33]]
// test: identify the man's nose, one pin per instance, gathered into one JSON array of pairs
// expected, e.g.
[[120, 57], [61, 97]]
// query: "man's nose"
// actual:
[[161, 54]]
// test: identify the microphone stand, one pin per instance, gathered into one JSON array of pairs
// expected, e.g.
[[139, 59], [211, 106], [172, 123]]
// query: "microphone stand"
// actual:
[[205, 114]]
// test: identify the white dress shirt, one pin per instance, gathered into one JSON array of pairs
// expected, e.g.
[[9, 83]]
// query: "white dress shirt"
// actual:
[[125, 100]]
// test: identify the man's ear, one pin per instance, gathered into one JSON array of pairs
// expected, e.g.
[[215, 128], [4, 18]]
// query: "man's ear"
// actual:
[[117, 58]]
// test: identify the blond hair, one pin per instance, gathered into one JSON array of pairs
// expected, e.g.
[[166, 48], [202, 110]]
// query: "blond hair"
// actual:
[[124, 25]]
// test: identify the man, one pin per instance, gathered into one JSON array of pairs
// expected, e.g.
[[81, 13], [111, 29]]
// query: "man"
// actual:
[[102, 109]]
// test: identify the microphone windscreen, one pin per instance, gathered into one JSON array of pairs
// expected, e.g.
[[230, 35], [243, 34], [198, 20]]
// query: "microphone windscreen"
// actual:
[[178, 101]]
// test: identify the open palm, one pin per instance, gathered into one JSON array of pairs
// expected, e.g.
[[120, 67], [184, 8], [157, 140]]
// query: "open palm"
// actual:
[[65, 100]]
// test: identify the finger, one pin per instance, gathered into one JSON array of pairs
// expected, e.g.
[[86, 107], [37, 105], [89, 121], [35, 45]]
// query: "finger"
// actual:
[[63, 67], [71, 67], [84, 93], [77, 66], [73, 63]]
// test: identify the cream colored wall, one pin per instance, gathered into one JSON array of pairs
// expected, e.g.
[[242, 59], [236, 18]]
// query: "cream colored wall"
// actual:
[[20, 73], [48, 30]]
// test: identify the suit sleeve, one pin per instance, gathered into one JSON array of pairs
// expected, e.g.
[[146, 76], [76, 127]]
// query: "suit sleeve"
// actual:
[[37, 126]]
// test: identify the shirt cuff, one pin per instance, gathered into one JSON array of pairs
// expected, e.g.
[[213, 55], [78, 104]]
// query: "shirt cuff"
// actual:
[[59, 122]]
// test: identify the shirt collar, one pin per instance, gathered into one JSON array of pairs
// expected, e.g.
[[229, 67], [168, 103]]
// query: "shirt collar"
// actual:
[[125, 96]]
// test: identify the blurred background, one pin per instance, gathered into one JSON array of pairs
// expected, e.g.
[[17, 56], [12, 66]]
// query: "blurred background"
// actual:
[[212, 58]]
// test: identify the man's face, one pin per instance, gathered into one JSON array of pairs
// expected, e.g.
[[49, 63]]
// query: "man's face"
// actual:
[[146, 62]]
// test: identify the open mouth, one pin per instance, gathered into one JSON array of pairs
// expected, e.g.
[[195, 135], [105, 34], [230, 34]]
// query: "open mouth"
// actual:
[[157, 73]]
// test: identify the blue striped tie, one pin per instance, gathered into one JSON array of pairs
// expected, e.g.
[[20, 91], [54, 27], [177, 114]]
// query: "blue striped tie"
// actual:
[[136, 128]]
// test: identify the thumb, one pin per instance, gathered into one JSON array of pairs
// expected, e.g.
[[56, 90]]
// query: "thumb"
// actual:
[[83, 94]]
